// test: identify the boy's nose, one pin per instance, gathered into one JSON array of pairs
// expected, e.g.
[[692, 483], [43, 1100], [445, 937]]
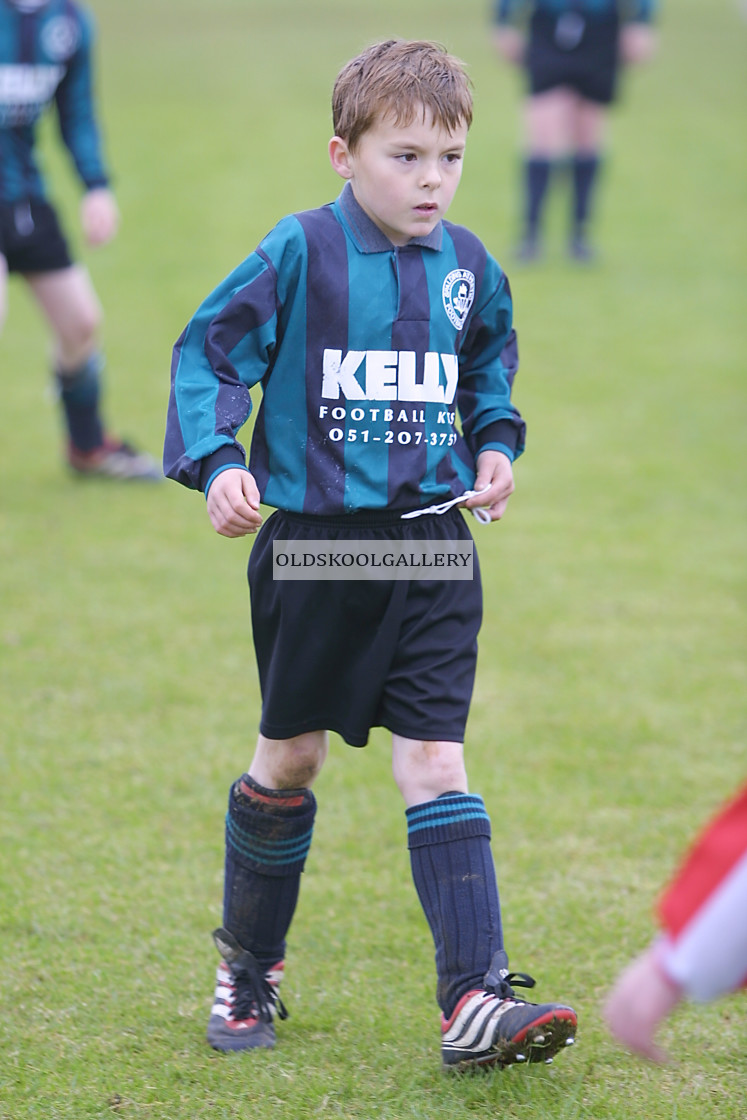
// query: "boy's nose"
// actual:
[[431, 176]]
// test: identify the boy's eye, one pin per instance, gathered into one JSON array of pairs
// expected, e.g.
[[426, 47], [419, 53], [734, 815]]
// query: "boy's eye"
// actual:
[[408, 157], [452, 157]]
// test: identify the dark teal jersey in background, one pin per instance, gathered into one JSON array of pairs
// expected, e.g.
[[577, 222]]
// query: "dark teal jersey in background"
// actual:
[[45, 60]]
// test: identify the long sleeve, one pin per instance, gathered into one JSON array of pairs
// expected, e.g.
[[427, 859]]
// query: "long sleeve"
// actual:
[[704, 909], [225, 349], [75, 108], [488, 363], [511, 11]]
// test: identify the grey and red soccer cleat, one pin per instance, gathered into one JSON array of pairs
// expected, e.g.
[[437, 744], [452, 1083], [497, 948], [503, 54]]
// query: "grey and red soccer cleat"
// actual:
[[246, 999], [491, 1026], [114, 459]]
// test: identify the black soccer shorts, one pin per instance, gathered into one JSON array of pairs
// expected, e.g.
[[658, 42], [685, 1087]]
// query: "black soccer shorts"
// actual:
[[31, 239], [349, 655], [582, 56]]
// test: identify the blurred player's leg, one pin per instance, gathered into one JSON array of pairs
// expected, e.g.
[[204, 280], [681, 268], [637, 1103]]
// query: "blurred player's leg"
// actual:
[[548, 131], [587, 140], [71, 307]]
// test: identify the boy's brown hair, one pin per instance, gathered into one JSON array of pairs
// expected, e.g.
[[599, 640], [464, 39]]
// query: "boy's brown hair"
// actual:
[[399, 79]]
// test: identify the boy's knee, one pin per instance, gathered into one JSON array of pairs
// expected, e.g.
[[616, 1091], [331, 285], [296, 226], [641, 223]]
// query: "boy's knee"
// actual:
[[77, 336], [289, 763], [444, 763], [424, 768], [84, 329]]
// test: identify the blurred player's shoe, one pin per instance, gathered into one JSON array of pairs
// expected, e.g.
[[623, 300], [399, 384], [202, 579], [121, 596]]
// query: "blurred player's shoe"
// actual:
[[491, 1026], [528, 250], [246, 999], [114, 459], [581, 250]]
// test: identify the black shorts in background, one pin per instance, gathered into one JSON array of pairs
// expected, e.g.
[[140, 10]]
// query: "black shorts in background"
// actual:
[[349, 655], [582, 56], [31, 239]]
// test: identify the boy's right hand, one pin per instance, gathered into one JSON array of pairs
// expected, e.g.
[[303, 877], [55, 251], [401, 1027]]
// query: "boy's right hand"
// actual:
[[233, 503]]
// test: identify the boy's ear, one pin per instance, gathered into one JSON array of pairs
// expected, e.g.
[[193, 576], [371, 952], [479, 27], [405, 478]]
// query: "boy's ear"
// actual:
[[339, 157]]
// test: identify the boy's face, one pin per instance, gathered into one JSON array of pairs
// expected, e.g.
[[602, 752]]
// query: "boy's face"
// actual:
[[403, 176]]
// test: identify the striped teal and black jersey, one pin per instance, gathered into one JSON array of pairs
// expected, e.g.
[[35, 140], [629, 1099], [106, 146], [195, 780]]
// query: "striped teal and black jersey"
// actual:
[[513, 11], [366, 354], [45, 59]]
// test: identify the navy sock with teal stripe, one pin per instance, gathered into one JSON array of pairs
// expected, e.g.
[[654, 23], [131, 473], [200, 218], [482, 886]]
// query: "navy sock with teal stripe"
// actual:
[[537, 173], [80, 392], [454, 874], [268, 835], [585, 173]]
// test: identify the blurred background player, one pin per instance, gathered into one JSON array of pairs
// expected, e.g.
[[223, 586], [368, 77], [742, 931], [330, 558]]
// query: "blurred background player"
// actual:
[[45, 59], [702, 951], [571, 51]]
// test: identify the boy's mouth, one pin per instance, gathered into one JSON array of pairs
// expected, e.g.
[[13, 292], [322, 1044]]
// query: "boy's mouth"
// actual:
[[427, 208]]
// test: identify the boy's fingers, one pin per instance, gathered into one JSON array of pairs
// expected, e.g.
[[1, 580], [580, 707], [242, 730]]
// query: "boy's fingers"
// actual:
[[232, 515]]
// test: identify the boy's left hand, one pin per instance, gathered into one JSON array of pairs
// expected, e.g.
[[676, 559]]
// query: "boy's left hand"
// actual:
[[494, 470]]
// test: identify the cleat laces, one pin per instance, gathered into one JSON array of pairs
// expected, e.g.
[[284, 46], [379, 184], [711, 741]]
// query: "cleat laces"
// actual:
[[254, 995], [499, 980]]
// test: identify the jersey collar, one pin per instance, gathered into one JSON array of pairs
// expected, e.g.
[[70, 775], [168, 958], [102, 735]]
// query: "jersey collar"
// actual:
[[367, 235]]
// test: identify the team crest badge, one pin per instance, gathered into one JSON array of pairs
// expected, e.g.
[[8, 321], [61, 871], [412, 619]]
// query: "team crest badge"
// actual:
[[458, 294], [60, 38]]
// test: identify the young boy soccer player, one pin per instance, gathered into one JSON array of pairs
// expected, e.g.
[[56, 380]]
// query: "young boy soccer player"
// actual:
[[368, 322]]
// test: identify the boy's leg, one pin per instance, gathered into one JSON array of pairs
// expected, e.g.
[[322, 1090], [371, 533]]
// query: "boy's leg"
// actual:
[[269, 826], [452, 863], [71, 307], [547, 117], [585, 169], [483, 1022], [69, 302], [537, 171], [589, 121]]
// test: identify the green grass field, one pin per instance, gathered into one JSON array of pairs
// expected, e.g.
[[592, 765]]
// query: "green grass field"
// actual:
[[609, 714]]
